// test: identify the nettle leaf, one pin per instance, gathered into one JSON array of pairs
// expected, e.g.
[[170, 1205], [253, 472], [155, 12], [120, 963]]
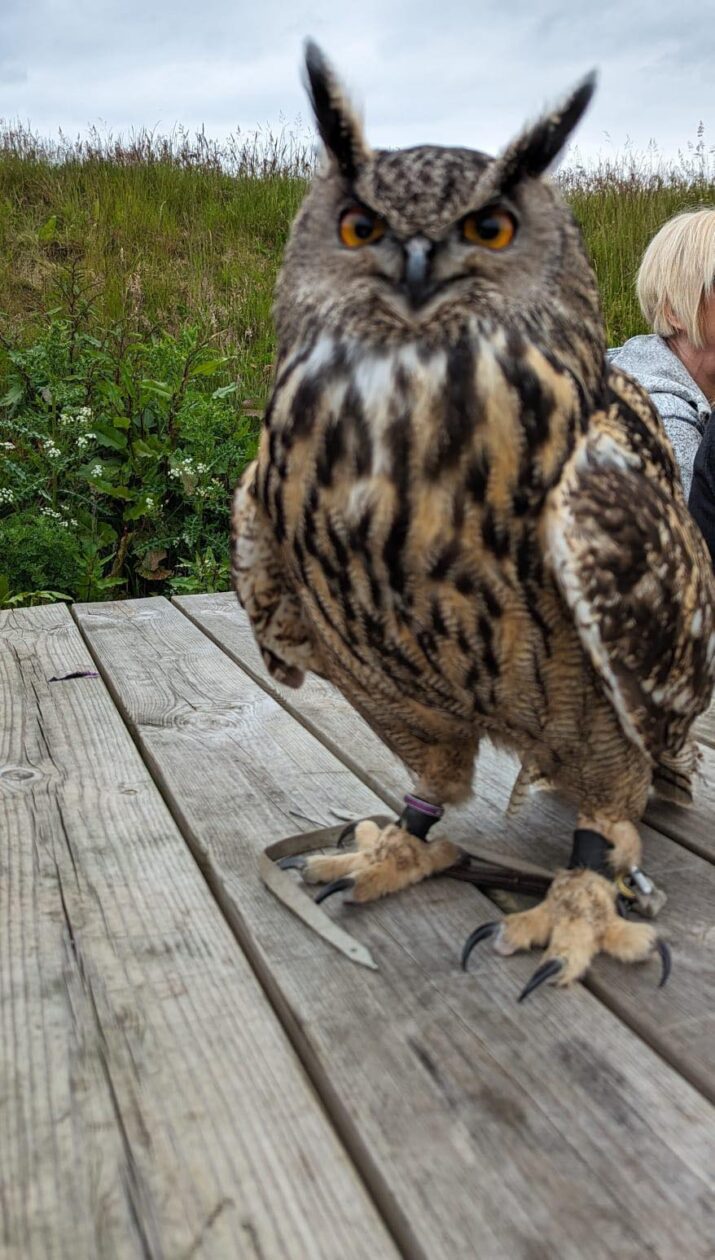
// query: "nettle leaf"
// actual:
[[112, 393], [106, 487], [108, 435], [223, 391], [140, 508], [149, 447], [208, 367], [159, 388]]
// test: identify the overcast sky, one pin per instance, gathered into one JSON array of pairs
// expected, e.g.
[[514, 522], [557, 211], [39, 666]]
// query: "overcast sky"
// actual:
[[447, 71]]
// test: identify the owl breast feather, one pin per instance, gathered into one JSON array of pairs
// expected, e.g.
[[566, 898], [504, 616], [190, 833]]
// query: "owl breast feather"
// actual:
[[405, 489]]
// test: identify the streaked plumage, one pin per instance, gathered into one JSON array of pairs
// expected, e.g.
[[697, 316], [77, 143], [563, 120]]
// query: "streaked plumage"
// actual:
[[459, 514]]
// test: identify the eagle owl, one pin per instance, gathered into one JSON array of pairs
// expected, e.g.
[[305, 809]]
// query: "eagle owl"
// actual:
[[469, 522]]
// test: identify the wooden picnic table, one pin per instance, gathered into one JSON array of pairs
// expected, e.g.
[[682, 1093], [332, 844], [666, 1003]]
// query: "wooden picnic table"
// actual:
[[187, 1071]]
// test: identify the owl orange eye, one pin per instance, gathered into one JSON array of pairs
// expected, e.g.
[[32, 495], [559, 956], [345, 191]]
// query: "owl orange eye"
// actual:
[[492, 227], [360, 227]]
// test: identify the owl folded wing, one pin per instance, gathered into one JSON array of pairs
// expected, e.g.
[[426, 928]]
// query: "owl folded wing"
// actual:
[[635, 574], [261, 584]]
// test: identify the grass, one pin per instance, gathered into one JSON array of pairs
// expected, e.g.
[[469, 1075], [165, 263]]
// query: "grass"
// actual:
[[136, 281]]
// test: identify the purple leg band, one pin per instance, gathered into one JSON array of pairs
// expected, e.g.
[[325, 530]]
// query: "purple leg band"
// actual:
[[424, 807]]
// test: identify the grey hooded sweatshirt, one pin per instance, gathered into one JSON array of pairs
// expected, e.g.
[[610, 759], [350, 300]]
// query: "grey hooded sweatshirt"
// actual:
[[683, 407]]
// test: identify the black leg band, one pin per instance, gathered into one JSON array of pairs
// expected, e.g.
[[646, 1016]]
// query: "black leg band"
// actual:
[[419, 816], [590, 852]]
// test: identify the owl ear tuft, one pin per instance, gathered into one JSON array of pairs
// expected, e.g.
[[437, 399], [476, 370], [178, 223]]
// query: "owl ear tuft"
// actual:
[[337, 121], [537, 147]]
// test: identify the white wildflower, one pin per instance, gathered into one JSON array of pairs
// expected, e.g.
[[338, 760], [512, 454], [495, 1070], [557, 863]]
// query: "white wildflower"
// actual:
[[82, 442], [97, 470], [8, 446], [73, 522], [7, 496], [202, 468], [148, 503], [53, 452]]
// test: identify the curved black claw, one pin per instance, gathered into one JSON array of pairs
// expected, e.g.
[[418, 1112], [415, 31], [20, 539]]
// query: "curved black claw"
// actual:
[[346, 835], [540, 976], [292, 863], [338, 885], [479, 934], [666, 961]]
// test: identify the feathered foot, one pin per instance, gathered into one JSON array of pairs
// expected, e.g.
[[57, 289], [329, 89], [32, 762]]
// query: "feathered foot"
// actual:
[[577, 920], [384, 861]]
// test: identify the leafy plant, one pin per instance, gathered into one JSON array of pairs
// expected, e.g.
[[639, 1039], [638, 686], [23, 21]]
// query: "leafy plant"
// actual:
[[206, 573], [121, 444], [136, 344]]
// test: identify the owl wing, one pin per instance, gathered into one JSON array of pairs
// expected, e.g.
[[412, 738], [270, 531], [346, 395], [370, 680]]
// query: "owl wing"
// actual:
[[261, 584], [634, 571]]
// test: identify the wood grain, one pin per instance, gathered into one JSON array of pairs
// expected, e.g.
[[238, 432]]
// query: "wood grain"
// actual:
[[705, 727], [480, 1125], [151, 1104], [680, 1020]]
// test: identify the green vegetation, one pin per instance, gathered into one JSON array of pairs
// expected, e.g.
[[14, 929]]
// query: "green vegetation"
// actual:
[[136, 343]]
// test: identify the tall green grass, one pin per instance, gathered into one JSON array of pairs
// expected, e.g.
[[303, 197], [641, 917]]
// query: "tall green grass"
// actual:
[[620, 203], [171, 230], [181, 228], [136, 280]]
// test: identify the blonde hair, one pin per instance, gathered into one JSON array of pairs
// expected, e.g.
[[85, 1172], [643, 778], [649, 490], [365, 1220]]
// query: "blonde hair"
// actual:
[[677, 273]]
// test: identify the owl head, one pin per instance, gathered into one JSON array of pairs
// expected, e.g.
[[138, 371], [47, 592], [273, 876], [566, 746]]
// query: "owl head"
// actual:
[[406, 243]]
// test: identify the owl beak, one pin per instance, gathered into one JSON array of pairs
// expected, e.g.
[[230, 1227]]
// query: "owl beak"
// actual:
[[416, 278]]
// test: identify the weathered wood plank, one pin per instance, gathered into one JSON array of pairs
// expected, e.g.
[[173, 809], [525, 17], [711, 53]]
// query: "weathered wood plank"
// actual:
[[479, 1124], [332, 719], [150, 1102], [680, 1020], [705, 727], [693, 827]]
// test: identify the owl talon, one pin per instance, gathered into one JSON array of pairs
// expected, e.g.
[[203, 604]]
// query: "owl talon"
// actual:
[[346, 835], [338, 885], [482, 933], [553, 967], [666, 961], [296, 863]]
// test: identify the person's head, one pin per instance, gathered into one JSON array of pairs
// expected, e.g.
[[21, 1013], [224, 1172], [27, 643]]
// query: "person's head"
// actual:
[[676, 279]]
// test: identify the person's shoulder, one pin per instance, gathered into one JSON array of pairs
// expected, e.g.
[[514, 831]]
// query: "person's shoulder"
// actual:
[[643, 351], [650, 361]]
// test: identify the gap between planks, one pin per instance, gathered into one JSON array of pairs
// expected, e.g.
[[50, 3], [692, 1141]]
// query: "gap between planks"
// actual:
[[220, 745], [682, 1028], [126, 1129], [224, 622]]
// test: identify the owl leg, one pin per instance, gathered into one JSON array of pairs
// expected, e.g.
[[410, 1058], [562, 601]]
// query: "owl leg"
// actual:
[[387, 859], [580, 915]]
